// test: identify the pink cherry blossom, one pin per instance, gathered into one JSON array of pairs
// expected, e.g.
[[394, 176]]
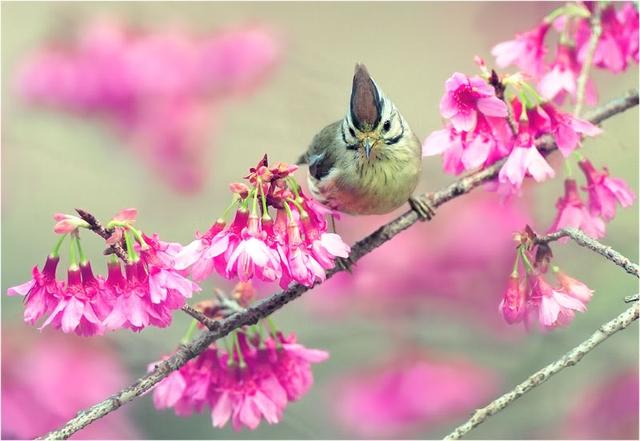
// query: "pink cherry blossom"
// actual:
[[41, 293], [465, 97], [489, 142], [574, 287], [567, 129], [618, 42], [555, 308], [75, 310], [573, 213], [523, 160], [513, 302], [253, 383], [562, 79], [526, 51], [605, 192]]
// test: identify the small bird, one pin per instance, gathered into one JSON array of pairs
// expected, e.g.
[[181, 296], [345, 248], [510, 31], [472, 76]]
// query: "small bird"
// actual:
[[370, 161]]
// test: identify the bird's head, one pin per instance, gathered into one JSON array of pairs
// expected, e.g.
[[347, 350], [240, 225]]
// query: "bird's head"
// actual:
[[372, 123]]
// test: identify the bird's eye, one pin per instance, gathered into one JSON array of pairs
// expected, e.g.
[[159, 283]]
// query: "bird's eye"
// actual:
[[386, 126], [353, 133]]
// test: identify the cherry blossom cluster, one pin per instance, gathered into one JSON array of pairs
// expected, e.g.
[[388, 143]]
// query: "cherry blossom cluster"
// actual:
[[616, 48], [604, 194], [292, 246], [87, 304], [256, 373], [530, 298], [481, 132], [158, 88]]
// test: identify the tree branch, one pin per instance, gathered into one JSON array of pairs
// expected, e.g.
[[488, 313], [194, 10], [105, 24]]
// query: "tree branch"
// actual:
[[100, 230], [267, 306], [569, 359], [585, 241]]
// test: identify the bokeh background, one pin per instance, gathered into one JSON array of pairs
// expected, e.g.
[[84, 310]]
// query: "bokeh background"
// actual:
[[433, 295]]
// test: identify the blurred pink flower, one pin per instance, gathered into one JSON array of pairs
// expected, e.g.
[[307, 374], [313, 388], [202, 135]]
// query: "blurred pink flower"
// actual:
[[514, 302], [454, 264], [409, 391], [562, 79], [608, 409], [157, 88], [605, 192], [618, 42], [526, 51], [573, 213], [465, 97], [47, 378]]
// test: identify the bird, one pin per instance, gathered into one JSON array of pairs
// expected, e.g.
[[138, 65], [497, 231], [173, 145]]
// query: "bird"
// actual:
[[370, 161]]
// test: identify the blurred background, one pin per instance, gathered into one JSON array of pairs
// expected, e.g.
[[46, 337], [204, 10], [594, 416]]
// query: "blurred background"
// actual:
[[417, 322]]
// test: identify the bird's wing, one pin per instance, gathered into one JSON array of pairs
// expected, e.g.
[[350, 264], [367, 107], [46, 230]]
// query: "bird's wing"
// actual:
[[321, 155]]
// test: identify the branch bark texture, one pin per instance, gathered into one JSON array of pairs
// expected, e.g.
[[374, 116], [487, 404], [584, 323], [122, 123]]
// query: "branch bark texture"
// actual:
[[569, 359], [267, 306]]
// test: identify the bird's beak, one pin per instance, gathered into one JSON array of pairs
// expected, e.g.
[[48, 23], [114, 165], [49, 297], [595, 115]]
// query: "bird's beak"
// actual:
[[368, 144]]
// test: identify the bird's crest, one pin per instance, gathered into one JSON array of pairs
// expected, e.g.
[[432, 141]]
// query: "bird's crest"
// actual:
[[366, 104]]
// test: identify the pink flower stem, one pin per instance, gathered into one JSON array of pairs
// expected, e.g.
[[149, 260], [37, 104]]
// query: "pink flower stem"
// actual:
[[132, 256], [55, 252], [263, 198], [83, 257], [514, 273], [596, 31], [236, 343], [73, 258]]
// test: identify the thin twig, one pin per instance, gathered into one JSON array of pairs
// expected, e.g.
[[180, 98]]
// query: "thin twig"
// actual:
[[267, 306], [596, 30], [208, 323], [100, 230], [569, 359], [585, 241]]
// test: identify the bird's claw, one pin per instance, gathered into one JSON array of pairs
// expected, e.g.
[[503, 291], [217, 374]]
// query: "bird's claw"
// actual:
[[344, 264], [422, 207]]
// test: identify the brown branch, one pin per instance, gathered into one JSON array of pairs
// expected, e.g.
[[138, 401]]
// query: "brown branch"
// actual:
[[100, 230], [267, 306], [569, 359], [207, 322], [585, 241]]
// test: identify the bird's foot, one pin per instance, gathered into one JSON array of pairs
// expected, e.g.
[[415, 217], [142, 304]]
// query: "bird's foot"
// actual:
[[344, 264], [422, 207]]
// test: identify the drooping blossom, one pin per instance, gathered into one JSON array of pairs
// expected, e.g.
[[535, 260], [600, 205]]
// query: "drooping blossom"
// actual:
[[555, 307], [567, 129], [572, 212], [562, 78], [526, 51], [513, 303], [161, 90], [254, 382], [295, 246], [75, 310], [605, 192], [606, 409], [490, 141], [52, 376], [397, 397], [525, 159], [41, 292], [465, 98], [618, 42], [530, 298]]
